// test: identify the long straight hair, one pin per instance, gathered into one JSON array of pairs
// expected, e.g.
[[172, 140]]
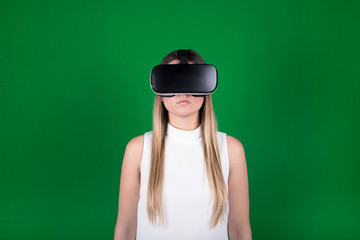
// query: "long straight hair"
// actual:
[[215, 176]]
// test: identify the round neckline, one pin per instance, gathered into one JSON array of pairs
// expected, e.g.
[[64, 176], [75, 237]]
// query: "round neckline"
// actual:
[[183, 135]]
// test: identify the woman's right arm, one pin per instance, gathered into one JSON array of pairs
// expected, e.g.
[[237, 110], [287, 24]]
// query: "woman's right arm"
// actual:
[[126, 222]]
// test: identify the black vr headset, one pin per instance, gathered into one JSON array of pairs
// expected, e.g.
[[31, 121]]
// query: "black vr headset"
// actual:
[[198, 80]]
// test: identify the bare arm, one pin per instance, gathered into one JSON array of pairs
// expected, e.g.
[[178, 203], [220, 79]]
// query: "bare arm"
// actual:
[[239, 221], [129, 190]]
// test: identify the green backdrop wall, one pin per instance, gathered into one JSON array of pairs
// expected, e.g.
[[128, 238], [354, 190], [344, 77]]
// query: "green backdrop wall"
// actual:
[[74, 89]]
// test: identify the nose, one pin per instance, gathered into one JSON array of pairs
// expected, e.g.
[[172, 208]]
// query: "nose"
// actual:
[[185, 95]]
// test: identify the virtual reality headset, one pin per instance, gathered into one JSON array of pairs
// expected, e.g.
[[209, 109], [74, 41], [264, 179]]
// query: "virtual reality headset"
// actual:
[[168, 80]]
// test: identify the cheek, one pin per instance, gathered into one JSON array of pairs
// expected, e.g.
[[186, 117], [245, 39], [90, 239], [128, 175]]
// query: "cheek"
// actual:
[[168, 102], [164, 100], [199, 101]]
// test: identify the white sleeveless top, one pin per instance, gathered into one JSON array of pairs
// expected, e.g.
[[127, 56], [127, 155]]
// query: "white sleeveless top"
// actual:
[[188, 201]]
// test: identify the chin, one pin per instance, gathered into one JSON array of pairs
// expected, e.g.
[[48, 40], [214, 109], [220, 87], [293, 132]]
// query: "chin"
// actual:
[[184, 113]]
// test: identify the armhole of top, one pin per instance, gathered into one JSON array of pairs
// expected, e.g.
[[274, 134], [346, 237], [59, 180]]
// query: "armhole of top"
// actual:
[[227, 155], [143, 152], [224, 153]]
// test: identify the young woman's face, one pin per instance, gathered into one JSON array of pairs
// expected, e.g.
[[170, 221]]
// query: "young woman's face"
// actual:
[[182, 105]]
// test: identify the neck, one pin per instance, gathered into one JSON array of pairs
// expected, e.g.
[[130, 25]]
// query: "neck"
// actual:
[[186, 123]]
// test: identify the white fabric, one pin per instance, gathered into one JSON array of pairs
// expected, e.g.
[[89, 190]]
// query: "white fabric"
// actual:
[[187, 196]]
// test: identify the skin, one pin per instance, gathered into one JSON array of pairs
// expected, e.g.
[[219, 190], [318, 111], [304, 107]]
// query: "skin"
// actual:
[[184, 117]]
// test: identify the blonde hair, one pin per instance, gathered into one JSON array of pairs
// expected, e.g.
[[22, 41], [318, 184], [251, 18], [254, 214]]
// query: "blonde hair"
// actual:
[[215, 176]]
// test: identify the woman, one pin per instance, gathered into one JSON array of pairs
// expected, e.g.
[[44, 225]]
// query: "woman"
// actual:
[[183, 179]]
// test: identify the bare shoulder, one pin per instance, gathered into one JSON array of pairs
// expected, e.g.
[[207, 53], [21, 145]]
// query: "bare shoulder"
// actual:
[[134, 149], [136, 142], [235, 150], [234, 145]]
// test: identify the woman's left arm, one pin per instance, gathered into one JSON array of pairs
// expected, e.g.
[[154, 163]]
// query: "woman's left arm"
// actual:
[[239, 220]]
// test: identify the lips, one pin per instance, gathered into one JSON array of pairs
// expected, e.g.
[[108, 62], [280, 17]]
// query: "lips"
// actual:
[[183, 101]]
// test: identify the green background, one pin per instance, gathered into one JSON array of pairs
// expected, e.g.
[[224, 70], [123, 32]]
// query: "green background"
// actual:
[[74, 89]]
